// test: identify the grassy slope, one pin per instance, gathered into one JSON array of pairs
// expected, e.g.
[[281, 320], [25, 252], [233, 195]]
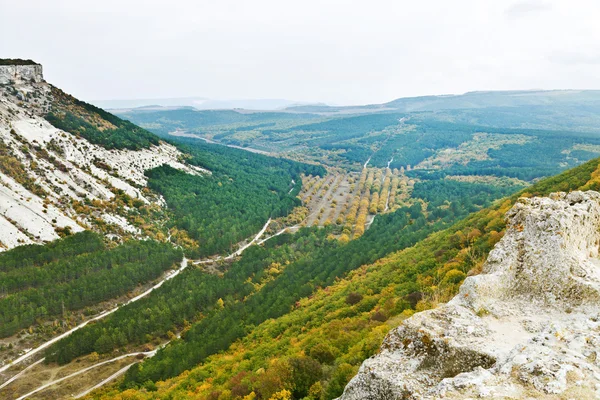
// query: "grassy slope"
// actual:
[[96, 125], [431, 271]]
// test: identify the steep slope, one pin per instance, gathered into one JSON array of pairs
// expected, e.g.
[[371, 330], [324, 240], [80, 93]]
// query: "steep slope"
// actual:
[[341, 325], [50, 177], [527, 327]]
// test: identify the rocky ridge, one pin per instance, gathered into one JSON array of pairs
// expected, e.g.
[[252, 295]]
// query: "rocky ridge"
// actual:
[[21, 73], [44, 170], [527, 327]]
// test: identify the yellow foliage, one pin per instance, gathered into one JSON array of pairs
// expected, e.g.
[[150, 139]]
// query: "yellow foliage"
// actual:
[[282, 395], [344, 238], [94, 357]]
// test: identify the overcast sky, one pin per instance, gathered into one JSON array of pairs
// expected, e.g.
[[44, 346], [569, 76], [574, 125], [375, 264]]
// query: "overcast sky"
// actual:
[[343, 52]]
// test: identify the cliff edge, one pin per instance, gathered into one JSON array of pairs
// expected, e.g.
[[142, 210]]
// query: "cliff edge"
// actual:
[[19, 71], [527, 327]]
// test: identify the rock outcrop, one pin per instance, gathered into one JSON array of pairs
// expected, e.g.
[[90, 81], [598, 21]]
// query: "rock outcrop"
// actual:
[[527, 327], [21, 73], [44, 170]]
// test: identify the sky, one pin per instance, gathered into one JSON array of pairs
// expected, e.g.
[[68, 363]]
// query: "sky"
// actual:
[[339, 52]]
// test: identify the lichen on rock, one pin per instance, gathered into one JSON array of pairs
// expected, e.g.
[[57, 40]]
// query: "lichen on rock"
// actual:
[[527, 327]]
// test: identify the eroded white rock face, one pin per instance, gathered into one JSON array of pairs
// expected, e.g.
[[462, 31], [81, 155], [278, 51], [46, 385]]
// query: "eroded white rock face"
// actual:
[[20, 73], [74, 169], [528, 327]]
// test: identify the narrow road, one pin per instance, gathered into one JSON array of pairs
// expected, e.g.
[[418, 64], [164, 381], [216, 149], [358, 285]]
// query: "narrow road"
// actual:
[[47, 385], [169, 275], [290, 228], [367, 162], [239, 251], [387, 202], [184, 265], [17, 376], [293, 184], [192, 135], [104, 382]]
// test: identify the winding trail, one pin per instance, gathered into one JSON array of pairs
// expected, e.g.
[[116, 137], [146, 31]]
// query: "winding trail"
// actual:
[[288, 229], [105, 381], [47, 385], [239, 251], [367, 162], [17, 376], [169, 275]]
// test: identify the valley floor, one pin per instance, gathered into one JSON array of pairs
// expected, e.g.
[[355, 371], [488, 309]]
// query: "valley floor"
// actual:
[[38, 380]]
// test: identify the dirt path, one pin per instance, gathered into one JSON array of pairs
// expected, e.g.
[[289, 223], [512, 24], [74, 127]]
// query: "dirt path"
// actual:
[[169, 275], [105, 381], [17, 376], [239, 251], [54, 382]]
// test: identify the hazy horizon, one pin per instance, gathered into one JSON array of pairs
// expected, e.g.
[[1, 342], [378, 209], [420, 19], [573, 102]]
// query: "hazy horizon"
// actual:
[[334, 52]]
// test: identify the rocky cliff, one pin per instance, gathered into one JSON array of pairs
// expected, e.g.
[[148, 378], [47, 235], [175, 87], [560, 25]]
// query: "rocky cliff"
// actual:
[[20, 74], [527, 327], [50, 178]]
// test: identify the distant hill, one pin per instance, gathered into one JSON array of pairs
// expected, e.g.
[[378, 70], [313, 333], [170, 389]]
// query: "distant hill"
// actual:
[[201, 103], [483, 99]]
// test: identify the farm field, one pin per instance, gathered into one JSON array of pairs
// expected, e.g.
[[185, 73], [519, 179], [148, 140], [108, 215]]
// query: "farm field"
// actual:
[[351, 200]]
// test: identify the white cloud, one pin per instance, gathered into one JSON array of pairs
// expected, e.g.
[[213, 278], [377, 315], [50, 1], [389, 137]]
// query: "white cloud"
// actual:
[[342, 51]]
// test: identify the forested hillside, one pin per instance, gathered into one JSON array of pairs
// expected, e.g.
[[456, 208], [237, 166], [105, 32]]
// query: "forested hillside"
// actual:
[[96, 125], [290, 279], [359, 221], [43, 282], [471, 139], [243, 191], [312, 351]]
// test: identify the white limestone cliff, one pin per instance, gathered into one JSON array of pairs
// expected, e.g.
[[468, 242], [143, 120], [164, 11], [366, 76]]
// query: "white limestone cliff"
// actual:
[[21, 73], [527, 327], [72, 170]]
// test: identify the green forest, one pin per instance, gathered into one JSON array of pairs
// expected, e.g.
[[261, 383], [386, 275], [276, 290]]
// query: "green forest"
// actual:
[[44, 281], [305, 261], [232, 203], [312, 347], [96, 125]]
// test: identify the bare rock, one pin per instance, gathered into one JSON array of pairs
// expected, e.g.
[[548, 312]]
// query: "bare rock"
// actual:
[[527, 327], [21, 73]]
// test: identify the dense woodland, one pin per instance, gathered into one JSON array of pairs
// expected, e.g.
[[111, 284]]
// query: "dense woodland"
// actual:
[[179, 301], [96, 125], [470, 196], [324, 337], [318, 261], [297, 315], [38, 282], [233, 203]]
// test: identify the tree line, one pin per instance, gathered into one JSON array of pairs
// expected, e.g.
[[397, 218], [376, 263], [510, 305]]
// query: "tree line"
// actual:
[[52, 279]]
